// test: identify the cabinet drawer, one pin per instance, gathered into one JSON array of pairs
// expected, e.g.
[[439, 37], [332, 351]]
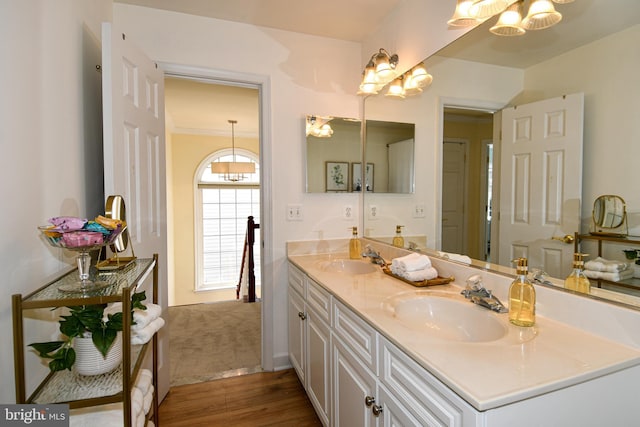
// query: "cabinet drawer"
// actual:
[[425, 396], [357, 334], [296, 279], [319, 299]]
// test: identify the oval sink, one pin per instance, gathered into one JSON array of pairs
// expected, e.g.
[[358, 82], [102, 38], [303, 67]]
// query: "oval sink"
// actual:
[[348, 266], [446, 317]]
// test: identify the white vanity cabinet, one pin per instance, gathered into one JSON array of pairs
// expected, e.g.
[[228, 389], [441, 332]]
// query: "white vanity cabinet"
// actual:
[[309, 319]]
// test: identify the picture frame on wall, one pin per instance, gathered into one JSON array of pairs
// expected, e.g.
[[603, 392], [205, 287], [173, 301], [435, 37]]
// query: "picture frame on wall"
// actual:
[[337, 176], [356, 177]]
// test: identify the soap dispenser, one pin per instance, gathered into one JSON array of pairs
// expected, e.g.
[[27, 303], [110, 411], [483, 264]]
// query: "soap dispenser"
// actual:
[[577, 281], [398, 240], [522, 297], [355, 249]]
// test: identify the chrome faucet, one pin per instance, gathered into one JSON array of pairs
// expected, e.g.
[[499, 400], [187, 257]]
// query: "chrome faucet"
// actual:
[[478, 294], [539, 277], [375, 256]]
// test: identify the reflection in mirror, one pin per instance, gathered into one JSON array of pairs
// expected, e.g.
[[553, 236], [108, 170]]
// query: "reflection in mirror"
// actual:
[[482, 71], [389, 152], [339, 148], [610, 216], [334, 156]]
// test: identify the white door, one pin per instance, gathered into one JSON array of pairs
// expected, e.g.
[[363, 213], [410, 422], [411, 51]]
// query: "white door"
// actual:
[[541, 182], [134, 157], [453, 195]]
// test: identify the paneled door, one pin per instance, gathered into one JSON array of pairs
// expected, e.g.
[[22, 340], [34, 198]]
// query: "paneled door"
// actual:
[[541, 182], [134, 156], [454, 188]]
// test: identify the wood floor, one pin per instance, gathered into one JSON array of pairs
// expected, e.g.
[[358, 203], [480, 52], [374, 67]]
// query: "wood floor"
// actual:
[[261, 399]]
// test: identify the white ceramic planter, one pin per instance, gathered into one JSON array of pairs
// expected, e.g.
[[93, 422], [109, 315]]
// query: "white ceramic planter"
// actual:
[[89, 361]]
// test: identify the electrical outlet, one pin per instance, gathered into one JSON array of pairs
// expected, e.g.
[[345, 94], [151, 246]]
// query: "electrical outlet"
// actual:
[[347, 212], [418, 211], [294, 213], [373, 212]]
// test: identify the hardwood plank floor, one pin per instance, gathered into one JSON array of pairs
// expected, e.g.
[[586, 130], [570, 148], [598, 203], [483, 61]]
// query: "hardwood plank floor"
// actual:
[[261, 399]]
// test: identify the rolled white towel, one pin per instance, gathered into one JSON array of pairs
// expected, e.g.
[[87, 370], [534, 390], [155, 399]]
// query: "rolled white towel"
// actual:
[[612, 276], [141, 317], [148, 400], [411, 262], [601, 264], [420, 275], [455, 257], [143, 335], [137, 402], [143, 382]]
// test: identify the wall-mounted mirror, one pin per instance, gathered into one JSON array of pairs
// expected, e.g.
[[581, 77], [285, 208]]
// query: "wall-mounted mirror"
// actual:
[[334, 156], [481, 71], [609, 216]]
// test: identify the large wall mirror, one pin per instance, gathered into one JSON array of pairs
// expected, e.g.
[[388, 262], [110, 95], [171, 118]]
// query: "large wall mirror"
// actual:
[[334, 156], [592, 51]]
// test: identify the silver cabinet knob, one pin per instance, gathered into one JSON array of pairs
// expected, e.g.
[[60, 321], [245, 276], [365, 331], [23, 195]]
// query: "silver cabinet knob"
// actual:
[[369, 400], [301, 315], [377, 410]]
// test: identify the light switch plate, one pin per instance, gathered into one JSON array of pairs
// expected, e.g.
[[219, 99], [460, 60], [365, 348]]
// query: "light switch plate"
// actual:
[[294, 213]]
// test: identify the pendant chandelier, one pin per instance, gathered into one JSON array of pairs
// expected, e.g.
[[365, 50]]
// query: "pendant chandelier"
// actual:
[[233, 171]]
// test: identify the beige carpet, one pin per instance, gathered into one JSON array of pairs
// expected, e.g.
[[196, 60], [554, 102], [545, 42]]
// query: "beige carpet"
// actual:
[[211, 341]]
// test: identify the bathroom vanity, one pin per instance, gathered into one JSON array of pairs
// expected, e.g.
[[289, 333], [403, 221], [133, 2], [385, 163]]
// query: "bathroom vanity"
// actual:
[[373, 350]]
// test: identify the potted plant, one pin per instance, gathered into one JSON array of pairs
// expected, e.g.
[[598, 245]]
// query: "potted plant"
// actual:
[[84, 321]]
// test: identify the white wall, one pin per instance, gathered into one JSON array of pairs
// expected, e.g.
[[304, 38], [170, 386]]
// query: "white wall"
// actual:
[[50, 143]]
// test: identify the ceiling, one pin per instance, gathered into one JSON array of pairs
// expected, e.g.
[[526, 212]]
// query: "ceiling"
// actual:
[[351, 20], [206, 108]]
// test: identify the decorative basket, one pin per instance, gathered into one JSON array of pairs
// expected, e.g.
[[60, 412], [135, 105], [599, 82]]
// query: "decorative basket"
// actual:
[[89, 360]]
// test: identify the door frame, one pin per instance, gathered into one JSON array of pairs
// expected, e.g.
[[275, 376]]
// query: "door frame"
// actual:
[[263, 84], [444, 102]]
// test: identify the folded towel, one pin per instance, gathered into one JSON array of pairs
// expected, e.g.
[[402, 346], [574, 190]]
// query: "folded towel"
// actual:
[[420, 275], [143, 382], [109, 415], [612, 276], [455, 257], [601, 264], [143, 335], [411, 262], [141, 317], [137, 402]]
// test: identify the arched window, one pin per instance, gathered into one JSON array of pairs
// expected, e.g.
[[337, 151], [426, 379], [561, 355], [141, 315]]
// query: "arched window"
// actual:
[[222, 208]]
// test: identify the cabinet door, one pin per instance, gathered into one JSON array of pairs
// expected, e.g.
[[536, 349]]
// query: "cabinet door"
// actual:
[[317, 368], [394, 413], [295, 316], [353, 383]]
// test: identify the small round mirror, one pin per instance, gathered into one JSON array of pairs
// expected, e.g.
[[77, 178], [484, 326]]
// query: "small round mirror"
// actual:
[[609, 212]]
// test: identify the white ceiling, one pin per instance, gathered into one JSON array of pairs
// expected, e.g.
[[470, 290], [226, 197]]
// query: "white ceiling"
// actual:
[[350, 20]]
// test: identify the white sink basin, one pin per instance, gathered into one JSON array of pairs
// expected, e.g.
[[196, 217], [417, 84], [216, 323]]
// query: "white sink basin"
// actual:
[[348, 266], [446, 316]]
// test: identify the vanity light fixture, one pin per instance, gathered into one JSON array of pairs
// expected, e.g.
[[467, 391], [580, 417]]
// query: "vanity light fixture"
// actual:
[[396, 89], [379, 71], [541, 14], [319, 127], [233, 171]]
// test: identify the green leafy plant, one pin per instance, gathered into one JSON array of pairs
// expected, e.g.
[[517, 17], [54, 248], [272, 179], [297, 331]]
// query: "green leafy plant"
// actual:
[[84, 319]]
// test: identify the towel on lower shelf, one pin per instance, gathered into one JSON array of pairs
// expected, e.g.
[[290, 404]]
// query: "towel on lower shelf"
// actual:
[[612, 276], [455, 257], [411, 262], [601, 264], [142, 336], [143, 382]]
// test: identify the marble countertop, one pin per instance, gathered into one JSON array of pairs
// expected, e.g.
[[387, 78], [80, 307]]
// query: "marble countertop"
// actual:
[[524, 363]]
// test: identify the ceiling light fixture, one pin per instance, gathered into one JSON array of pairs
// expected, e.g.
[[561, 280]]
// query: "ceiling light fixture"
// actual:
[[541, 14], [233, 171]]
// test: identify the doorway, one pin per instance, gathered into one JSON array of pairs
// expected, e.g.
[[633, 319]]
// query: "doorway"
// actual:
[[467, 179], [213, 334]]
